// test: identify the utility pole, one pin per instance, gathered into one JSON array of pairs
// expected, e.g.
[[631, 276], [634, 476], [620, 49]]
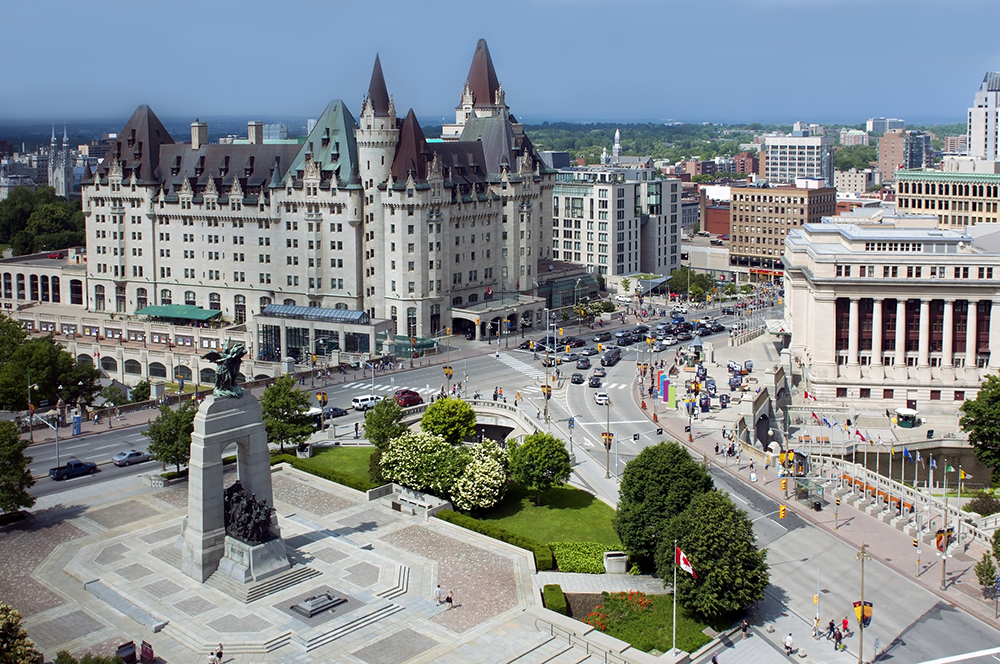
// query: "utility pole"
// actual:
[[545, 389], [862, 555], [607, 441]]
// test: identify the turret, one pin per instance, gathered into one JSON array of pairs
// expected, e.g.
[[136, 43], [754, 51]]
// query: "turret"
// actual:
[[377, 134]]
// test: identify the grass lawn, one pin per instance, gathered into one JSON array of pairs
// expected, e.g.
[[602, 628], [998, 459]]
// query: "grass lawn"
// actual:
[[566, 515], [646, 622], [351, 461]]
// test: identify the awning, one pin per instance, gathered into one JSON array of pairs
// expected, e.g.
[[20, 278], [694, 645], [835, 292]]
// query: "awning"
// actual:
[[179, 311]]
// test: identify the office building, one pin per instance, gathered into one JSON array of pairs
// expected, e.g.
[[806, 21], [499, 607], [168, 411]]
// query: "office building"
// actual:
[[852, 137], [746, 163], [879, 126], [900, 149], [983, 123], [783, 159], [761, 216], [955, 198], [909, 312], [956, 144], [854, 180]]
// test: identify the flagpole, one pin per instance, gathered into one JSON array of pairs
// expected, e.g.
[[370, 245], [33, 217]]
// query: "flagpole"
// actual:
[[673, 639], [878, 467], [944, 528], [958, 521], [888, 488]]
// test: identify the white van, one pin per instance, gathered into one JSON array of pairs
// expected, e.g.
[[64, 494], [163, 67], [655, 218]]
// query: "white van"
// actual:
[[623, 298], [365, 402]]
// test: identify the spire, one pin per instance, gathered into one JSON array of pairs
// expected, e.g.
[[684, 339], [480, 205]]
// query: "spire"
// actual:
[[378, 95], [65, 136], [53, 140], [411, 152], [88, 173], [617, 151], [482, 80]]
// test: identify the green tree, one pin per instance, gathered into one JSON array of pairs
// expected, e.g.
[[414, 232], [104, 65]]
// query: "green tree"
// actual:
[[995, 548], [539, 462], [986, 572], [981, 420], [451, 418], [284, 407], [656, 486], [141, 391], [718, 539], [424, 462], [382, 423], [170, 434], [15, 646], [483, 482], [46, 365], [15, 476], [112, 394], [627, 286], [858, 156]]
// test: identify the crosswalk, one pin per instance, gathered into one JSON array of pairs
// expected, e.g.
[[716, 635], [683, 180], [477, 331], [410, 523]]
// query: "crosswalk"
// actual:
[[522, 367], [367, 386]]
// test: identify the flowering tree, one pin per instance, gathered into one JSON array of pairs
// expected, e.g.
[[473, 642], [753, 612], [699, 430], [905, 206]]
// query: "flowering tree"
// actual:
[[484, 481], [424, 462]]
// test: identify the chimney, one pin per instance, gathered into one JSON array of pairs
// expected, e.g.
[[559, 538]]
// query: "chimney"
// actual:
[[255, 132], [199, 134]]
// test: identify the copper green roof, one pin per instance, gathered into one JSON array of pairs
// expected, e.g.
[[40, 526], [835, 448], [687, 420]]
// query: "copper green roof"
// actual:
[[938, 176], [179, 311]]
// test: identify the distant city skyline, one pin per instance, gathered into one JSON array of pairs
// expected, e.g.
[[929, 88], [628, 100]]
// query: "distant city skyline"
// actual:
[[583, 60]]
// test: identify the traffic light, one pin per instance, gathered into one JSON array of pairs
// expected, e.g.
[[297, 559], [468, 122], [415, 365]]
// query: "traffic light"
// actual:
[[600, 348], [560, 332], [916, 542], [548, 391], [781, 511], [447, 330], [635, 436], [448, 371], [477, 321], [607, 437], [838, 500], [784, 484], [531, 345], [567, 348]]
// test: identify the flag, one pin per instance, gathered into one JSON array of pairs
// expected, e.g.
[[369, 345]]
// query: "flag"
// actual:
[[811, 396], [682, 561], [963, 475], [948, 468], [920, 459], [906, 454], [826, 422], [836, 423], [489, 291], [814, 417], [858, 434], [933, 464], [887, 414], [868, 435]]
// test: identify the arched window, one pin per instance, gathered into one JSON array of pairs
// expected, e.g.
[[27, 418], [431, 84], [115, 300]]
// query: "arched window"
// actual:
[[289, 302], [340, 305], [240, 309], [20, 286], [214, 302], [33, 280], [190, 298], [411, 322], [133, 367], [264, 301], [85, 359], [45, 288], [98, 297], [8, 285], [56, 297], [141, 298], [182, 371], [473, 298], [157, 370], [456, 301], [208, 375], [109, 364], [166, 297]]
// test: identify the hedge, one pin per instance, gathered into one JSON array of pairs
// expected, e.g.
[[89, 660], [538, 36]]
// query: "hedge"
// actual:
[[554, 598], [332, 475], [579, 557], [543, 554]]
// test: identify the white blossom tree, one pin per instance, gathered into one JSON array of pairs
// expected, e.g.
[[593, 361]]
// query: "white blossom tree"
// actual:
[[424, 462], [484, 482]]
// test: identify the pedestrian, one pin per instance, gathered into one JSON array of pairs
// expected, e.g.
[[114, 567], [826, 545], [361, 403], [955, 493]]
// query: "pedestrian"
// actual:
[[847, 627], [715, 658], [357, 430], [716, 449], [751, 465], [745, 628], [218, 654], [498, 354], [723, 431], [837, 638], [437, 594], [830, 629], [789, 644], [450, 600]]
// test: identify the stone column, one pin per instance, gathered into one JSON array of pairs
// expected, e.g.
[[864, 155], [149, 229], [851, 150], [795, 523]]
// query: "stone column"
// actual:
[[900, 357], [995, 336], [948, 337], [852, 340], [924, 343], [877, 331], [970, 336]]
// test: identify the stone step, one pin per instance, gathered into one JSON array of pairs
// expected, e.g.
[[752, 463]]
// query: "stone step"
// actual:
[[566, 654], [402, 584], [346, 628], [251, 592], [530, 655], [169, 554]]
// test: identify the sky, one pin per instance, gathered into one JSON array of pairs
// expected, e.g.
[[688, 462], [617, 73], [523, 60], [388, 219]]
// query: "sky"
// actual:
[[820, 61]]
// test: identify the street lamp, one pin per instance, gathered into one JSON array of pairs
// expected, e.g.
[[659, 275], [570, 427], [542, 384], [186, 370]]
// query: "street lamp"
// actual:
[[326, 358], [862, 555], [31, 409], [576, 297], [607, 440]]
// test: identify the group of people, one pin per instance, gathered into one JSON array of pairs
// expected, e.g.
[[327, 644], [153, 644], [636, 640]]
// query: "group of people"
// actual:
[[834, 633], [448, 599]]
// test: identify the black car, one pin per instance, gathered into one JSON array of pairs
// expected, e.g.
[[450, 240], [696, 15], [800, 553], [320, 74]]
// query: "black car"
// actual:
[[640, 328], [625, 341], [549, 362], [471, 336], [576, 379], [332, 411], [603, 336], [525, 345], [638, 337], [583, 363], [728, 311], [594, 381]]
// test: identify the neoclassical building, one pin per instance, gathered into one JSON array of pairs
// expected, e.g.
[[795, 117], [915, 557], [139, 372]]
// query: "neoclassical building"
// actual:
[[897, 312]]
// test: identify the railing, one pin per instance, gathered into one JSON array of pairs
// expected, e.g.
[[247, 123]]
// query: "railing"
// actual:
[[577, 640], [514, 412]]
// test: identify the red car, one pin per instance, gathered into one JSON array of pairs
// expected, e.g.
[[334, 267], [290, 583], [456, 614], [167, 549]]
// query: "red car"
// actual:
[[409, 399]]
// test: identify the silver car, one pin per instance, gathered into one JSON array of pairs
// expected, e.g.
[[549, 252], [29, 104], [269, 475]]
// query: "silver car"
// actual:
[[130, 457]]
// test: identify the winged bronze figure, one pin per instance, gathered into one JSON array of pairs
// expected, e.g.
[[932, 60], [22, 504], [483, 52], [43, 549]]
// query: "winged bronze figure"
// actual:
[[227, 368]]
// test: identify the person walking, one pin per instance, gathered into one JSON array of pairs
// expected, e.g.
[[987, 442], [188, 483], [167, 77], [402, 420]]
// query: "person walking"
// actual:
[[437, 594], [847, 627], [218, 654], [745, 628], [789, 644], [830, 629], [450, 601], [837, 638], [357, 430]]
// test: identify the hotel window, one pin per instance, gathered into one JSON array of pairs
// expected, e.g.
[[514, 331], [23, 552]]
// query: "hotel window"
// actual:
[[887, 394], [959, 395]]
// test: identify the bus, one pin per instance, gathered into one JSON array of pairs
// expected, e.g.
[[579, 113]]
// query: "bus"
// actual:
[[316, 417]]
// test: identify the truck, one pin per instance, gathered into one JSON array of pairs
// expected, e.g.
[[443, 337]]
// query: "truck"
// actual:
[[73, 468]]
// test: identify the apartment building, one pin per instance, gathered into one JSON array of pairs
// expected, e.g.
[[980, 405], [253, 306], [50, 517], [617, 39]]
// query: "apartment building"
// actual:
[[900, 149], [983, 122], [879, 126], [783, 159], [956, 198]]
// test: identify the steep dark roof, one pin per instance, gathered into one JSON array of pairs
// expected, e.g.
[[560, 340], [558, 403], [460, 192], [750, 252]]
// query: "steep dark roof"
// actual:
[[482, 78], [377, 92], [333, 145], [138, 146], [251, 163], [411, 152]]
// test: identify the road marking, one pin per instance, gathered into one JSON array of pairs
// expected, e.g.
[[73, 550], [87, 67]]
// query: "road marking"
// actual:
[[521, 367], [104, 447], [602, 423]]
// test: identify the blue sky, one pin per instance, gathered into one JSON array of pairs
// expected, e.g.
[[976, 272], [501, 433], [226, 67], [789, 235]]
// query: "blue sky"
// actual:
[[689, 60]]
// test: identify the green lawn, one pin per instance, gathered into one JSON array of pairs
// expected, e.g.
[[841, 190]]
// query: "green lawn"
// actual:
[[646, 622], [351, 461], [566, 515]]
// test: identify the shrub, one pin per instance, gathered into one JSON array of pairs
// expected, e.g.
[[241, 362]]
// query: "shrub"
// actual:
[[983, 504], [332, 475], [375, 466], [579, 557], [543, 554], [554, 598]]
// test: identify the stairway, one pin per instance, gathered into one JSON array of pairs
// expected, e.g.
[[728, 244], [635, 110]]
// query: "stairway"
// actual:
[[255, 590]]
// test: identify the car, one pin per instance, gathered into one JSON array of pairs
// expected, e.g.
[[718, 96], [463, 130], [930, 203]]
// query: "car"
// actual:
[[623, 298], [602, 399], [625, 341], [659, 346], [401, 391], [728, 311], [569, 357], [684, 335], [680, 310], [662, 325], [595, 381], [130, 457], [716, 327], [600, 372], [331, 412], [525, 345], [702, 332], [668, 341], [365, 402], [549, 362], [409, 399], [55, 254], [73, 468], [638, 337], [471, 336], [622, 333], [574, 342], [640, 328], [603, 336], [588, 351], [583, 363], [576, 379]]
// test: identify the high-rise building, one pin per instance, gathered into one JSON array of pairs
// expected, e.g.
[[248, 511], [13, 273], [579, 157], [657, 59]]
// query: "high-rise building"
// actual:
[[783, 159], [901, 149], [853, 180], [879, 126], [956, 198], [956, 144], [983, 123], [60, 165]]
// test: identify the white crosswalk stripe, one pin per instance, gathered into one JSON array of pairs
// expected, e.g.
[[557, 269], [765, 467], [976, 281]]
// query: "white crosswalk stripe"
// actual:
[[521, 367]]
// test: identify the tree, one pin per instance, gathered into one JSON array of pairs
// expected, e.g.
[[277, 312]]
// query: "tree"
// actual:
[[47, 366], [627, 286], [986, 572], [63, 657], [424, 461], [981, 420], [452, 419], [656, 486], [382, 423], [484, 480], [170, 434], [995, 548], [114, 395], [15, 476], [15, 646], [718, 539], [284, 407], [540, 462], [141, 391]]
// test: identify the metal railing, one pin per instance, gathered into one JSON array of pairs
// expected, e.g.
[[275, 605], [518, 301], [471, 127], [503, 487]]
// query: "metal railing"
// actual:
[[579, 641]]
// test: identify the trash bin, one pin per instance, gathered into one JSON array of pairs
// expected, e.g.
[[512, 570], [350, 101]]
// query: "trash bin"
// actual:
[[615, 562], [817, 506]]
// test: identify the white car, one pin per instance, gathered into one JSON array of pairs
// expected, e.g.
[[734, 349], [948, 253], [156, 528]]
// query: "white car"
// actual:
[[680, 310], [602, 399], [623, 298], [668, 341], [364, 403]]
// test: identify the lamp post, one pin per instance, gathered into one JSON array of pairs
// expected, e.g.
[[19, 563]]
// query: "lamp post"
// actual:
[[545, 389], [862, 555], [607, 441], [326, 358], [31, 409], [576, 298]]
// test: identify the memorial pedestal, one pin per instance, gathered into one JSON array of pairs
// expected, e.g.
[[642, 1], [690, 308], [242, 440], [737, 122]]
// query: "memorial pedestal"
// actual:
[[246, 563]]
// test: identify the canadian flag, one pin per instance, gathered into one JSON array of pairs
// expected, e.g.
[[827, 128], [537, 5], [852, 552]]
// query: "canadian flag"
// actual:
[[682, 561], [810, 396]]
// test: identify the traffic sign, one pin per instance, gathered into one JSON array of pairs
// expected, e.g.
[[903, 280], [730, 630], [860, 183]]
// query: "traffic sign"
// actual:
[[635, 436], [572, 422]]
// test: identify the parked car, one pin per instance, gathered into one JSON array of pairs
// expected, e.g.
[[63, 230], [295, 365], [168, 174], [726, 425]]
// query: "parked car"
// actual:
[[603, 336], [409, 399], [130, 457], [602, 399], [600, 372], [595, 381], [576, 379], [588, 351], [583, 363], [331, 412], [364, 403], [73, 468]]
